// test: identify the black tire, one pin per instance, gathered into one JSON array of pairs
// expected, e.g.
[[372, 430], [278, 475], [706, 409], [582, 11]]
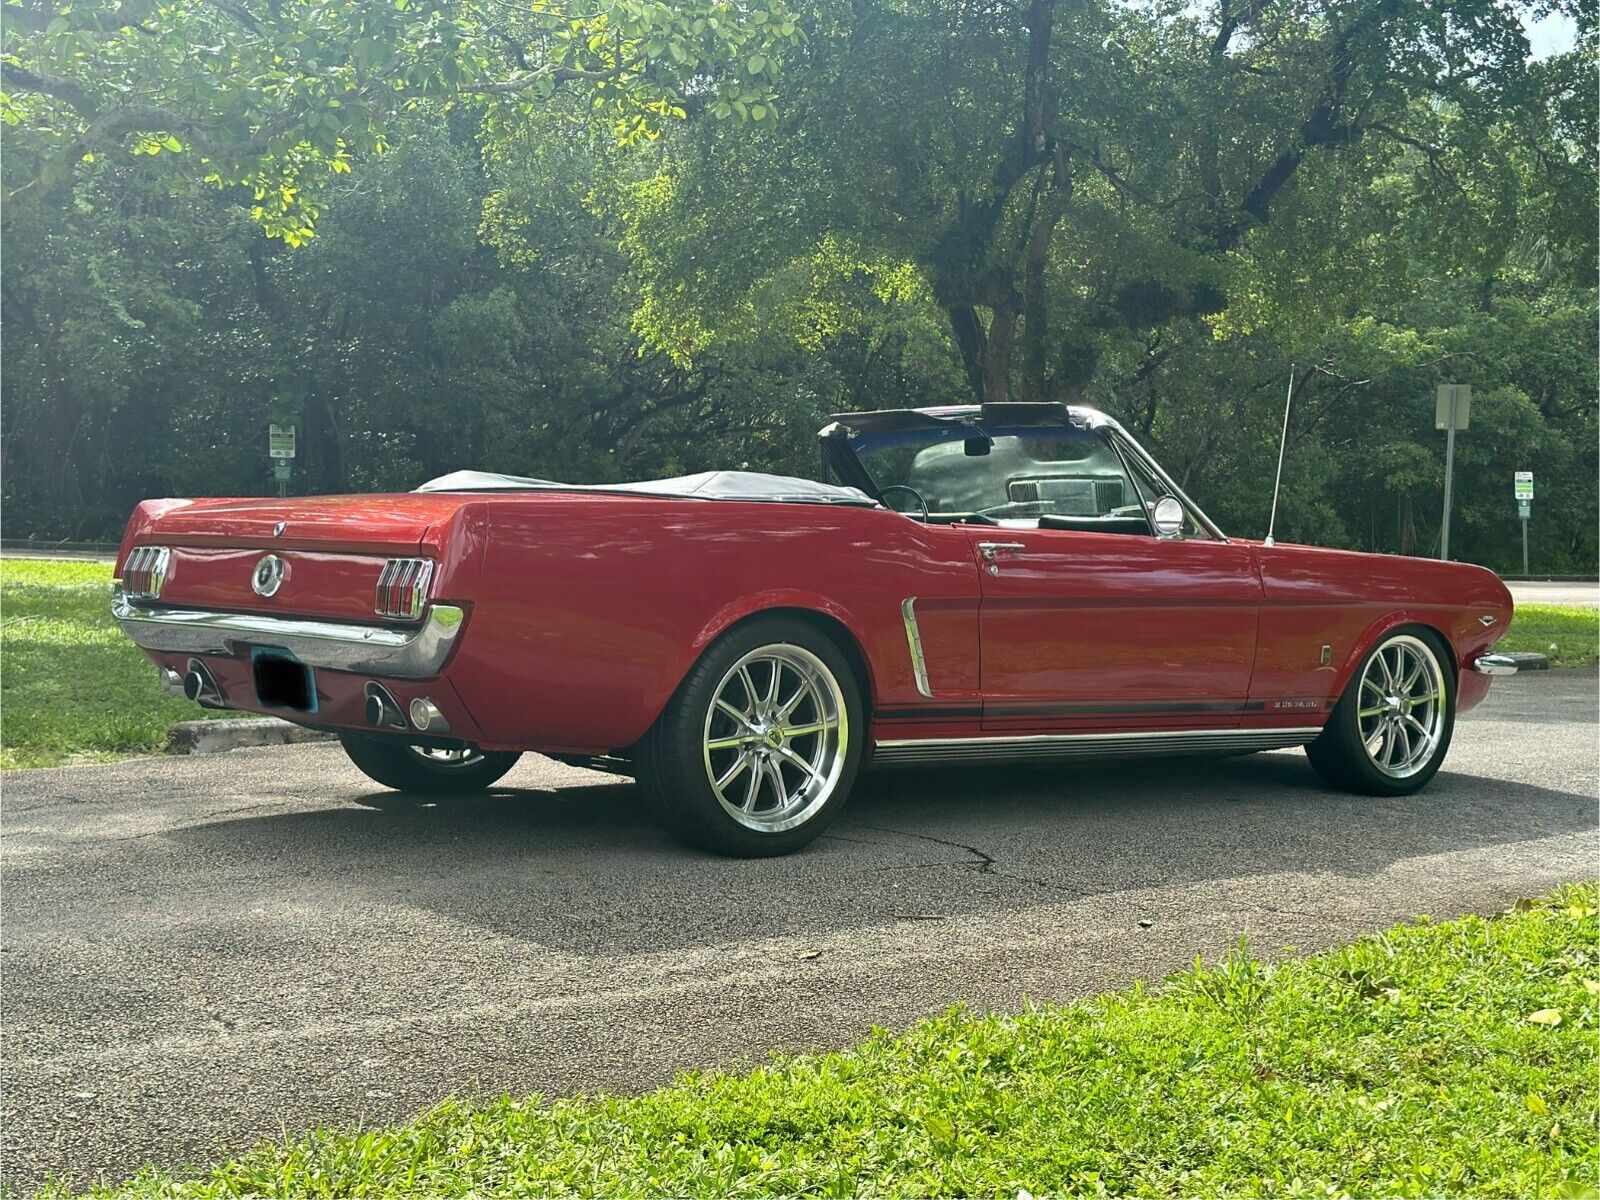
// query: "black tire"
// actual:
[[1340, 753], [675, 761], [408, 768]]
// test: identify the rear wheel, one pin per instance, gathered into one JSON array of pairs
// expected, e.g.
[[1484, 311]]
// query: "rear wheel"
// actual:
[[1390, 731], [756, 751], [427, 770]]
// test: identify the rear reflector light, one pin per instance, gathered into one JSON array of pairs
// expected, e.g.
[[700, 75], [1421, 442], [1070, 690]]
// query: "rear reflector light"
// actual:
[[145, 572], [403, 587]]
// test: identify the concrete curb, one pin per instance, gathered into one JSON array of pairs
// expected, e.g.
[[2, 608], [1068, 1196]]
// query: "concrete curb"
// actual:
[[215, 736], [1528, 660]]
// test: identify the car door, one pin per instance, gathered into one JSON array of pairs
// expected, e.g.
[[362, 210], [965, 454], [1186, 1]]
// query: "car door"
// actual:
[[1102, 630]]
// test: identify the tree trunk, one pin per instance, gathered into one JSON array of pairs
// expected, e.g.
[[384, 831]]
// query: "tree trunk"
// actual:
[[997, 353], [1035, 301], [970, 338]]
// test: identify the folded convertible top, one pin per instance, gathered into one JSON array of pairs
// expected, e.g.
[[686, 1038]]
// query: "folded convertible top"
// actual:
[[707, 485]]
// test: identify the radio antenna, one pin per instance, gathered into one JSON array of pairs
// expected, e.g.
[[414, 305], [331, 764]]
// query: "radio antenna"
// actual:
[[1272, 521]]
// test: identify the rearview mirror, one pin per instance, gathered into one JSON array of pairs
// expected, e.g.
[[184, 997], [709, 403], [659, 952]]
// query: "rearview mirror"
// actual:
[[1167, 516], [976, 447]]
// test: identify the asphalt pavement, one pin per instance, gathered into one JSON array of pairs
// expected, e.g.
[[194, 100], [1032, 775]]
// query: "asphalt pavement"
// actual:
[[1555, 591], [200, 952]]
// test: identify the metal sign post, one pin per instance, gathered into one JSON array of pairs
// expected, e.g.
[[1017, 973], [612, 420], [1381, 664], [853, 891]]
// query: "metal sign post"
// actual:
[[1522, 486], [280, 449], [1451, 411]]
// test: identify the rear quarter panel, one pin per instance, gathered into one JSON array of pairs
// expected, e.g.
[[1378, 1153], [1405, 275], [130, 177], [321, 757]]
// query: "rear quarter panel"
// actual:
[[587, 611], [1314, 597]]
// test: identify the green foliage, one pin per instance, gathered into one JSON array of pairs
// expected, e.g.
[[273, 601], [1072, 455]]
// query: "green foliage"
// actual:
[[512, 285], [1449, 1058], [277, 97], [74, 689]]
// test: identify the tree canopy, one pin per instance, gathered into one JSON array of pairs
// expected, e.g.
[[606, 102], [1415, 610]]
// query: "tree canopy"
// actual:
[[631, 238]]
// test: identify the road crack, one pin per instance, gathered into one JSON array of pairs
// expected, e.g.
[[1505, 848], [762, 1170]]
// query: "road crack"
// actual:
[[983, 862]]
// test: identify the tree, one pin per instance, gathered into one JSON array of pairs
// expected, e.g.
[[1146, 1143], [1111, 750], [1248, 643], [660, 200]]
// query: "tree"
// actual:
[[274, 97], [1004, 149]]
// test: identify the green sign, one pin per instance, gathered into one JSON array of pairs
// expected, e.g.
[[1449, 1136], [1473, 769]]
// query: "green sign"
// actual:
[[280, 441], [281, 468], [1522, 484], [1524, 509]]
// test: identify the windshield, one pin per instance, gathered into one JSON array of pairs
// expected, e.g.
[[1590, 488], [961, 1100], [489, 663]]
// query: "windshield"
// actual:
[[1024, 472]]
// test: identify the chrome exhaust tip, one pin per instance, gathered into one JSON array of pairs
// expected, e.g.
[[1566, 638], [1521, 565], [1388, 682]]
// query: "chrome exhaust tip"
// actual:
[[199, 686], [383, 710], [171, 682], [426, 717]]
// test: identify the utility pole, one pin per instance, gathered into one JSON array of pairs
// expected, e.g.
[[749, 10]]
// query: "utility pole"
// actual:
[[1451, 411]]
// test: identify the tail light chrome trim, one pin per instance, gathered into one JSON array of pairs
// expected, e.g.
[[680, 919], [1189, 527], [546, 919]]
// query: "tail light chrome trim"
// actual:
[[403, 588], [145, 572]]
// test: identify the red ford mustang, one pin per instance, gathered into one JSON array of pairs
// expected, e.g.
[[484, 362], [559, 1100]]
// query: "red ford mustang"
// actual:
[[1011, 582]]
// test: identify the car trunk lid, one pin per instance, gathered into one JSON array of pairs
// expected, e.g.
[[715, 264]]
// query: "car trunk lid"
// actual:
[[333, 549]]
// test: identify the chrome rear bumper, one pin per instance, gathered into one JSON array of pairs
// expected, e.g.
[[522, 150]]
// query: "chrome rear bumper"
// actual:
[[336, 645], [1494, 664]]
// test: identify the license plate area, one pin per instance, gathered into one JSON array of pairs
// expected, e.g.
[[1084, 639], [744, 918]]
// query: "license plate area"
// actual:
[[282, 680]]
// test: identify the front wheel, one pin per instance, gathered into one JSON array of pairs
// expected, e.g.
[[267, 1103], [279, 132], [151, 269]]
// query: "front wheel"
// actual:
[[426, 770], [1390, 730], [756, 751]]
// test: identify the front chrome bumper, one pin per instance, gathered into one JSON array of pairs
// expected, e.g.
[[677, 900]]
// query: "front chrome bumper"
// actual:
[[1494, 664], [336, 645]]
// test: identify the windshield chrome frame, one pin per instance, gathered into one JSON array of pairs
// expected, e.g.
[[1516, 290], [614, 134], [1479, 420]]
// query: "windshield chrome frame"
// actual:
[[1121, 440]]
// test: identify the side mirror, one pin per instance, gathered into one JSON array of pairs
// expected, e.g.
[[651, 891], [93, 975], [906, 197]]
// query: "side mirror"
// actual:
[[1167, 516]]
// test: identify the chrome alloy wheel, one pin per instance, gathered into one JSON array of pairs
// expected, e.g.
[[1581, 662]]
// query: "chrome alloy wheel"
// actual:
[[1401, 706], [776, 738], [461, 756]]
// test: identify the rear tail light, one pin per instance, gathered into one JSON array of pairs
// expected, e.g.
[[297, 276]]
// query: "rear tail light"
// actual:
[[403, 587], [145, 572]]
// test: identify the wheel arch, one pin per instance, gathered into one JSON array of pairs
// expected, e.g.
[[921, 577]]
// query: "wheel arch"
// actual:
[[829, 624], [1392, 623], [829, 621]]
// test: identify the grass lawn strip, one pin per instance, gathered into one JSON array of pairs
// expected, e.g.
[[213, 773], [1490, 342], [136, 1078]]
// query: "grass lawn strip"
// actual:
[[1455, 1058], [1568, 634], [73, 688]]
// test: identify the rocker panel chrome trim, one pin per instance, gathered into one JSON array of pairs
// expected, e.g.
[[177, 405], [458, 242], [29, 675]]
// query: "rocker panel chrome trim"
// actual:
[[919, 665], [1086, 745], [414, 653]]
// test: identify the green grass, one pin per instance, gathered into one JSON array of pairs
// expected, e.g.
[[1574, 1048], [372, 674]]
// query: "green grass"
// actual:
[[1569, 635], [72, 687], [1455, 1058]]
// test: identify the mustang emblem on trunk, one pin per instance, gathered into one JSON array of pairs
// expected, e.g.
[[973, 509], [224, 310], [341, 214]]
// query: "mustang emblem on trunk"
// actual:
[[268, 576]]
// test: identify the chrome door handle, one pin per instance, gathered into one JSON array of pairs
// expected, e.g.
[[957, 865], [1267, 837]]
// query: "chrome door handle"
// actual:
[[993, 550]]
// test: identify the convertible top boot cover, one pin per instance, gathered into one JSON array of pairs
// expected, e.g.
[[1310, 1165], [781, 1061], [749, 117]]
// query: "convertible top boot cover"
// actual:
[[707, 485]]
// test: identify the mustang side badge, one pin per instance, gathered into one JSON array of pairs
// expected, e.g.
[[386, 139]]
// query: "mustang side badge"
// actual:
[[268, 576]]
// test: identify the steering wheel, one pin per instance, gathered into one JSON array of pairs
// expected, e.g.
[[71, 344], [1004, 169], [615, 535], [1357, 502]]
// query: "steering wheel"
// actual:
[[900, 487]]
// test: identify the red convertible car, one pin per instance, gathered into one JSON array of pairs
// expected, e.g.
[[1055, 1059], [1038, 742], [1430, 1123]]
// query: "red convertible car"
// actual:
[[1010, 582]]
